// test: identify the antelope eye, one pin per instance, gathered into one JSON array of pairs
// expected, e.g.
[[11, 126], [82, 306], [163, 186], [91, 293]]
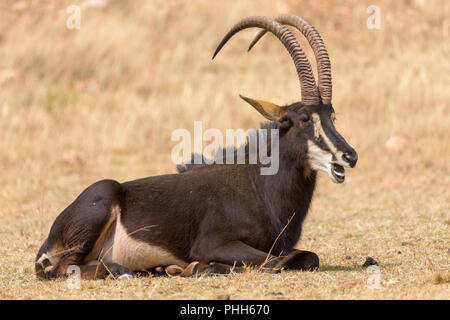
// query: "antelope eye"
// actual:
[[304, 117]]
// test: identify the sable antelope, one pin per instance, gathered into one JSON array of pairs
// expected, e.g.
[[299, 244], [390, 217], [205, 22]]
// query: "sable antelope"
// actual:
[[213, 218]]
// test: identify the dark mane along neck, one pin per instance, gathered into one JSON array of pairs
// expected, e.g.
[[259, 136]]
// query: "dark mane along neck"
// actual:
[[198, 160]]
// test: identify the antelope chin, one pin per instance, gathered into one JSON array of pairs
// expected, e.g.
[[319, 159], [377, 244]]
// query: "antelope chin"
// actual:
[[337, 173], [321, 160]]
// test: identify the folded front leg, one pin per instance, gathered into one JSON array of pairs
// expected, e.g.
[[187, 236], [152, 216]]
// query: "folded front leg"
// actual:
[[299, 260], [236, 253]]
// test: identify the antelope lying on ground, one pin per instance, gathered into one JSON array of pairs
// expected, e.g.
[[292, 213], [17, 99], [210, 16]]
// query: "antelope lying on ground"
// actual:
[[219, 217]]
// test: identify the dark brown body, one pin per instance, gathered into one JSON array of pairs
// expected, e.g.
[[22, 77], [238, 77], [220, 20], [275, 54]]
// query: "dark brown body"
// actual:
[[205, 218], [228, 214]]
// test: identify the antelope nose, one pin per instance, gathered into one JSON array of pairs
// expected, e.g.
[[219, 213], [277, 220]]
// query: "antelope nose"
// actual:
[[351, 158]]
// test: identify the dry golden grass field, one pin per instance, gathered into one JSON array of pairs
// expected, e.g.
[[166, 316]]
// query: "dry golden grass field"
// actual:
[[77, 106]]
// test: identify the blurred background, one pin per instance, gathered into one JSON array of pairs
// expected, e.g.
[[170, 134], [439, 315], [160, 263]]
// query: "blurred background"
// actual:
[[101, 101]]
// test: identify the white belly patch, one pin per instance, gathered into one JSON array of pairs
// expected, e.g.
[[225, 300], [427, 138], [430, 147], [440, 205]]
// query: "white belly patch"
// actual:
[[139, 255]]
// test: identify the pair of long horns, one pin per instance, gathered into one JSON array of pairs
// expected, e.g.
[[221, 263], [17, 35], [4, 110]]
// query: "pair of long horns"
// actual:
[[311, 94]]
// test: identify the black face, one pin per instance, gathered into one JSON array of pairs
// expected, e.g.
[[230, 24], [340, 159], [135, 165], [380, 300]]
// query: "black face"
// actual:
[[327, 149]]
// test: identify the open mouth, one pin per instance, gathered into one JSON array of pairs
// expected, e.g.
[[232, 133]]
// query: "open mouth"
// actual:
[[338, 172]]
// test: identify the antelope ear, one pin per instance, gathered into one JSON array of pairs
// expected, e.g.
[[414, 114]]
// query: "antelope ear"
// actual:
[[268, 109]]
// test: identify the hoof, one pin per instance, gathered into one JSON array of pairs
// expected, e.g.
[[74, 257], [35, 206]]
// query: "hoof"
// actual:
[[174, 270], [50, 275], [191, 270], [300, 260]]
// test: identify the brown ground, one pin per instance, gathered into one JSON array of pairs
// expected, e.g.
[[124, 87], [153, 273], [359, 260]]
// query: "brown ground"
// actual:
[[78, 106]]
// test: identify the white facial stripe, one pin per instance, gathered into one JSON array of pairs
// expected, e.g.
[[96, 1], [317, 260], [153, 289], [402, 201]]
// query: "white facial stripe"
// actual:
[[318, 132], [317, 125], [320, 160], [330, 145]]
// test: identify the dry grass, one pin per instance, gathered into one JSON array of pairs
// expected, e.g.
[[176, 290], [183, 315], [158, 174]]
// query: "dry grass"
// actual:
[[79, 106]]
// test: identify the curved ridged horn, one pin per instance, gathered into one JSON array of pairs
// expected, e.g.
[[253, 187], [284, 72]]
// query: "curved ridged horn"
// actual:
[[315, 41], [304, 72]]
